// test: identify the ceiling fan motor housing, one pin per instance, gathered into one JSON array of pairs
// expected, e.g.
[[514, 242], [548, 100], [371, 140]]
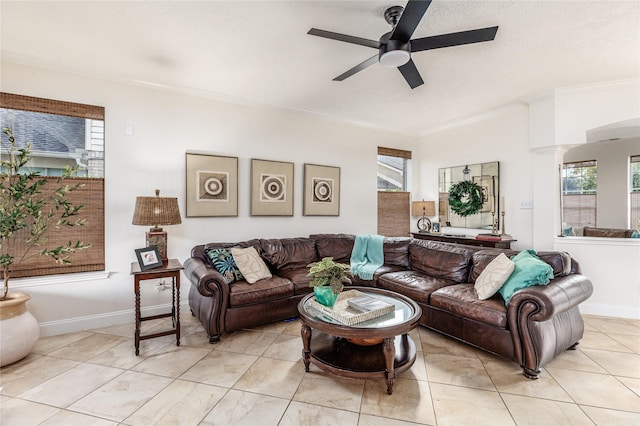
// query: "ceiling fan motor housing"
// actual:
[[393, 53]]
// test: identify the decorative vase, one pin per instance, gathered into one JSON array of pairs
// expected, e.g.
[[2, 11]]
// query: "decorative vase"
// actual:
[[19, 330], [325, 295]]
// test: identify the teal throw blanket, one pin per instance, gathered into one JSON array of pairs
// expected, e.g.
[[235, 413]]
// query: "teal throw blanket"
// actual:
[[367, 255]]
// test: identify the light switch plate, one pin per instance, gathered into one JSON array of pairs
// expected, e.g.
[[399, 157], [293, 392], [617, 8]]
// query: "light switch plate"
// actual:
[[526, 204]]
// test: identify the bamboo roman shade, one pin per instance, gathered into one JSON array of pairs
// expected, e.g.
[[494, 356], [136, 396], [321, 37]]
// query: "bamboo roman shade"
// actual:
[[392, 152], [90, 259], [91, 195], [393, 214], [50, 106]]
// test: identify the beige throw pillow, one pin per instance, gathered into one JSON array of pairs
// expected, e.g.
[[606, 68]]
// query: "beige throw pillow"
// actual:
[[494, 276], [250, 264]]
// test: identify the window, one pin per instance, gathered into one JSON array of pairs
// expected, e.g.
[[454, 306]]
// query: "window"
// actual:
[[392, 169], [393, 200], [634, 188], [579, 191], [60, 134]]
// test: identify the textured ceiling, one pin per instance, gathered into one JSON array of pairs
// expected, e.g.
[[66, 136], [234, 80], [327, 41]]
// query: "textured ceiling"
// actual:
[[259, 52]]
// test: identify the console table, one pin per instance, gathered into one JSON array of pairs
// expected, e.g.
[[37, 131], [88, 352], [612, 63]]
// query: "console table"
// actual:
[[470, 241], [171, 269]]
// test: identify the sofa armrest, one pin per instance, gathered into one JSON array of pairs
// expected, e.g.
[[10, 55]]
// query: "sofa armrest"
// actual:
[[207, 280], [560, 295], [545, 320], [208, 296]]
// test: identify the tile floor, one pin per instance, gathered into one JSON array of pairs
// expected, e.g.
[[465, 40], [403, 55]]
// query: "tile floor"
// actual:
[[256, 377]]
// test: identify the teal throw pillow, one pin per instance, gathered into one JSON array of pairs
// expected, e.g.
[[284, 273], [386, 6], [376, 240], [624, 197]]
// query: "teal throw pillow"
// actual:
[[223, 261], [529, 270], [635, 234]]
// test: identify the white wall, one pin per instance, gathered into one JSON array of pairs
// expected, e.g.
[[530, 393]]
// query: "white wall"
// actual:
[[529, 141], [165, 125], [613, 178], [613, 266], [501, 136]]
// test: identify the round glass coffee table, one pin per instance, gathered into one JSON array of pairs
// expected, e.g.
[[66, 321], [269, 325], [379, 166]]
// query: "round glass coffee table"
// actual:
[[376, 348]]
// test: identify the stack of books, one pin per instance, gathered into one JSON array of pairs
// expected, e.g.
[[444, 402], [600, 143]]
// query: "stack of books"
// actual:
[[353, 307]]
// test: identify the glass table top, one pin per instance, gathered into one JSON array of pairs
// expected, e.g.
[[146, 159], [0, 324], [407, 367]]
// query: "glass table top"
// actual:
[[403, 312]]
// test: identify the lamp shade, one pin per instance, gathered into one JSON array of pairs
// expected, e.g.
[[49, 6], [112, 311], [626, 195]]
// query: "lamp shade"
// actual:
[[423, 208], [156, 211]]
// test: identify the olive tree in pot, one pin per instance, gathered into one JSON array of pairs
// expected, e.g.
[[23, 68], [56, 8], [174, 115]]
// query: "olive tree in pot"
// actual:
[[27, 216]]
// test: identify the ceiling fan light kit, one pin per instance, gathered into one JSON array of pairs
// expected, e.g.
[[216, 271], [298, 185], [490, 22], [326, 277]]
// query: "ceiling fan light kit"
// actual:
[[394, 54], [395, 47]]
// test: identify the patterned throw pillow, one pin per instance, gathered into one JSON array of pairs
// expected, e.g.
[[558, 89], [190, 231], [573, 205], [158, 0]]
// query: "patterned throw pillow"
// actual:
[[494, 276], [252, 266], [223, 261]]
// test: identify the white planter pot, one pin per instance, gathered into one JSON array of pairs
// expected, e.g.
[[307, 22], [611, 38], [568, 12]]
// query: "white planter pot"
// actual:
[[19, 330]]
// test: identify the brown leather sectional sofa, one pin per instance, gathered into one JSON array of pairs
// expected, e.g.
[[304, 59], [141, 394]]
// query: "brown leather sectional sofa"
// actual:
[[539, 323], [607, 232]]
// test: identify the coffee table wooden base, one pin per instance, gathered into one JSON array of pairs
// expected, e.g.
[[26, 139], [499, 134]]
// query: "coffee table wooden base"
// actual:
[[338, 356]]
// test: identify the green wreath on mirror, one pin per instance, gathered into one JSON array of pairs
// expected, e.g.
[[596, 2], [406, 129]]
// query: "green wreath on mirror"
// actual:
[[465, 198]]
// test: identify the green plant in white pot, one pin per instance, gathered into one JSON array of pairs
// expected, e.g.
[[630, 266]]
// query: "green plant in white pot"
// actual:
[[328, 279], [27, 216]]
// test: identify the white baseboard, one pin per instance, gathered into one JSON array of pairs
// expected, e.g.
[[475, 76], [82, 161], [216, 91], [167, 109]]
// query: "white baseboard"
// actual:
[[609, 310], [72, 325]]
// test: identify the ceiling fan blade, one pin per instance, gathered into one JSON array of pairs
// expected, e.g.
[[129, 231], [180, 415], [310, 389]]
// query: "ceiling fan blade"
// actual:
[[409, 20], [346, 38], [411, 74], [372, 60], [454, 39]]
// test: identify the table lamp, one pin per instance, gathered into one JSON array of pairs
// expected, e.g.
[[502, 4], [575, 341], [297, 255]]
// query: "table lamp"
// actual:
[[154, 212], [423, 208]]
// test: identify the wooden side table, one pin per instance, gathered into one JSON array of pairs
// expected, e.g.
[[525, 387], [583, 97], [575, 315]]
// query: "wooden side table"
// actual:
[[169, 270]]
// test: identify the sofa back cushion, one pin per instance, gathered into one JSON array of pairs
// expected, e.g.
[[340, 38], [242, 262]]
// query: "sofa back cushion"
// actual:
[[560, 261], [289, 253], [396, 251], [442, 260], [338, 246], [607, 232], [199, 251]]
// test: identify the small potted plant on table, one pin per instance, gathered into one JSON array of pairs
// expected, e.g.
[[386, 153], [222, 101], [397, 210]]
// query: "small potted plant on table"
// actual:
[[328, 279]]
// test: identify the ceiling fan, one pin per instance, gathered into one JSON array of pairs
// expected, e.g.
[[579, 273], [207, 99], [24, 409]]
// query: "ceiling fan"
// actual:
[[396, 46]]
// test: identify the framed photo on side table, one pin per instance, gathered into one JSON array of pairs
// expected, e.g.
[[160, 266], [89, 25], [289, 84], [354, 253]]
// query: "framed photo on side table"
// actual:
[[435, 228], [148, 258]]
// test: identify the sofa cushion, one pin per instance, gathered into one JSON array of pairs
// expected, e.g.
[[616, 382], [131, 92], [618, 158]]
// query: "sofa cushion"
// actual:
[[413, 284], [338, 246], [461, 300], [300, 279], [494, 276], [222, 260], [607, 232], [250, 264], [289, 253], [441, 260], [396, 251], [263, 291], [559, 261], [199, 251], [384, 269], [529, 271]]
